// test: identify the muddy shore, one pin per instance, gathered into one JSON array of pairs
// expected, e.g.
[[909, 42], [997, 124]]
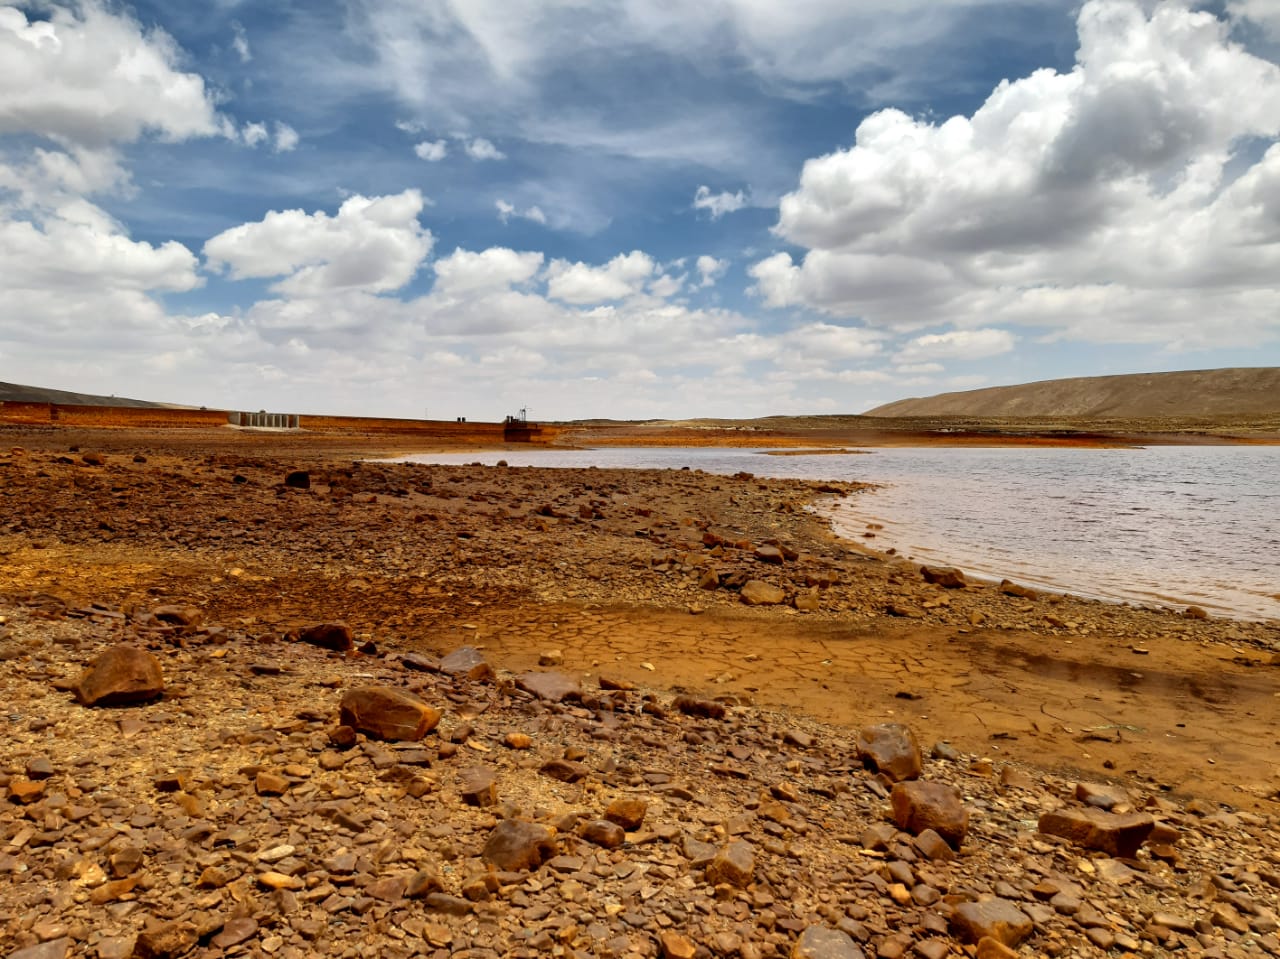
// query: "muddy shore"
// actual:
[[632, 579]]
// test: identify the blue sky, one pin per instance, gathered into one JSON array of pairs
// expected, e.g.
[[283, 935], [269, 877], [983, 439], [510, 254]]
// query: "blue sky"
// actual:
[[632, 208]]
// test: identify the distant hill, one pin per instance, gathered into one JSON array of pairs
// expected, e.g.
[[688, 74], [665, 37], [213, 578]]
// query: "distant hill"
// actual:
[[1236, 392], [14, 393]]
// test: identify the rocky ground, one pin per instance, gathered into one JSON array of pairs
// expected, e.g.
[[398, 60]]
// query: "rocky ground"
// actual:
[[586, 712]]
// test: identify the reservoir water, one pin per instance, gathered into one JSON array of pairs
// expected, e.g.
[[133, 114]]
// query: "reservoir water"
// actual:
[[1162, 525]]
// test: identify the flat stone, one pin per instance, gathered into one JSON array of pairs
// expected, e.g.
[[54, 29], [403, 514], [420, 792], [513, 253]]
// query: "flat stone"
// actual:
[[478, 786], [1116, 835], [676, 946], [756, 592], [166, 941], [552, 687], [235, 932], [820, 942], [388, 713], [890, 748], [467, 662], [921, 805], [53, 949], [120, 676], [994, 918], [515, 845], [565, 770]]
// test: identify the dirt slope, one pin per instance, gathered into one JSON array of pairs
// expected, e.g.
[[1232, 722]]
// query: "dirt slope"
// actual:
[[17, 393], [1193, 393]]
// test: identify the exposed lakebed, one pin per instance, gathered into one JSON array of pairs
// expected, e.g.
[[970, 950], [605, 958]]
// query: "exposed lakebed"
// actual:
[[1182, 525]]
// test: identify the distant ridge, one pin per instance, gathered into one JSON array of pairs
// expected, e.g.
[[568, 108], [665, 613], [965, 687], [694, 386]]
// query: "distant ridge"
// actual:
[[15, 393], [1235, 392]]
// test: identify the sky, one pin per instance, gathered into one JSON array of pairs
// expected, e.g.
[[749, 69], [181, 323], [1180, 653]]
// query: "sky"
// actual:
[[631, 208]]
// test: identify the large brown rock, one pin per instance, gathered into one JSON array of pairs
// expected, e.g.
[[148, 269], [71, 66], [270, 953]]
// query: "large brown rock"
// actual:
[[948, 577], [890, 748], [1116, 835], [387, 713], [553, 687], [516, 845], [919, 806], [467, 662], [997, 919], [335, 637], [120, 676], [734, 864]]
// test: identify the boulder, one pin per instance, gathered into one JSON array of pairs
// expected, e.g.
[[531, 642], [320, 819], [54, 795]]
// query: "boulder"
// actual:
[[627, 813], [552, 687], [706, 708], [335, 637], [758, 593], [919, 806], [948, 577], [467, 662], [890, 748], [120, 676], [298, 479], [387, 713], [993, 918], [516, 845], [1116, 835], [821, 942], [602, 832]]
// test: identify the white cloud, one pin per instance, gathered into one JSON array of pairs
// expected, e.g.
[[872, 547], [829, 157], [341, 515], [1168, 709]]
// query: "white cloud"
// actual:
[[718, 204], [918, 368], [579, 283], [373, 244], [490, 271], [711, 269], [665, 286], [240, 41], [254, 133], [433, 151], [1132, 182], [956, 345], [507, 210], [92, 77], [286, 138], [482, 149], [1265, 13]]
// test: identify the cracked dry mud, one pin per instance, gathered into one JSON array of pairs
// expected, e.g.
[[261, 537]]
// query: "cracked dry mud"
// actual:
[[226, 818]]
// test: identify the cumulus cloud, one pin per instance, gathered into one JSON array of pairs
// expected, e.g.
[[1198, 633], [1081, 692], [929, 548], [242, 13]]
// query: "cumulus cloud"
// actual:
[[433, 151], [1265, 13], [372, 244], [580, 283], [482, 149], [710, 269], [718, 204], [956, 345], [93, 77], [489, 271], [1133, 181]]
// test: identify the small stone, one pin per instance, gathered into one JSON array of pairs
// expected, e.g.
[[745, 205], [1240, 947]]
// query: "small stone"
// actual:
[[551, 657], [40, 768], [890, 748], [769, 554], [478, 786], [518, 741], [933, 846], [920, 805], [565, 770], [515, 845], [388, 713], [123, 675], [24, 791], [269, 784], [53, 949], [235, 932], [755, 592], [820, 942], [676, 946], [989, 948], [998, 919], [627, 813], [705, 708], [602, 832], [734, 864], [335, 637], [298, 479], [167, 941]]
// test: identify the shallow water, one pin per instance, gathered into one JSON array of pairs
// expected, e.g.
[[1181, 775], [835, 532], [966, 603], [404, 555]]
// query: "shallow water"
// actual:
[[1166, 525]]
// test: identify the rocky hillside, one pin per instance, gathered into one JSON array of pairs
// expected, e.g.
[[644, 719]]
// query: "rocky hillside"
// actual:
[[1193, 393], [17, 393]]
